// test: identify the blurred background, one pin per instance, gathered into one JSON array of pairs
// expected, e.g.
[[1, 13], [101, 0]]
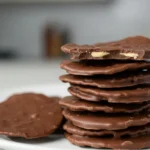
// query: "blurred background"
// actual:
[[32, 31]]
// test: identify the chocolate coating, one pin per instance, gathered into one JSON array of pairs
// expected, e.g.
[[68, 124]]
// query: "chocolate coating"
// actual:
[[100, 121], [138, 47], [75, 104], [115, 81], [129, 132], [114, 143], [30, 116], [88, 68], [137, 94]]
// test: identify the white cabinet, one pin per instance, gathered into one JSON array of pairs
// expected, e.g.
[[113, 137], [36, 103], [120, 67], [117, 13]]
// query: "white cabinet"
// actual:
[[46, 1]]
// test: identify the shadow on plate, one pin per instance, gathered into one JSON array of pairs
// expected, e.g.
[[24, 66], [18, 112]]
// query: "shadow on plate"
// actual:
[[50, 138]]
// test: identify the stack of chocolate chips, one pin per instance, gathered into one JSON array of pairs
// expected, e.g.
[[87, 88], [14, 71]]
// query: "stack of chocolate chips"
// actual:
[[110, 88]]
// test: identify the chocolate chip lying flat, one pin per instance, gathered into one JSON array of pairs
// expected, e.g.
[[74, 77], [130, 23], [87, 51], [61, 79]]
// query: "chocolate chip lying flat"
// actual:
[[89, 68], [133, 48], [129, 132], [75, 104], [115, 81], [135, 94], [140, 142], [100, 121], [30, 116]]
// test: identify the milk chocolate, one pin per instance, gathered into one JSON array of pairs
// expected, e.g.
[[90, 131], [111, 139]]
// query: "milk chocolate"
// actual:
[[75, 104], [88, 68], [129, 132], [114, 81], [131, 48], [100, 121], [137, 143], [135, 94], [30, 116]]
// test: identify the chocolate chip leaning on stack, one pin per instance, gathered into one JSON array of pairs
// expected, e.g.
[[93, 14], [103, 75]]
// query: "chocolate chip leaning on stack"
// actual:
[[110, 88], [30, 115]]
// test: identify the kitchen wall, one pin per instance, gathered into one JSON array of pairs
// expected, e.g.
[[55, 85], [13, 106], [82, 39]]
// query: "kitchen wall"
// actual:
[[21, 24]]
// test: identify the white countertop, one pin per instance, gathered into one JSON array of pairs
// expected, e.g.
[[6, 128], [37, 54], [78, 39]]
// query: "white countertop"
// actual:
[[29, 73]]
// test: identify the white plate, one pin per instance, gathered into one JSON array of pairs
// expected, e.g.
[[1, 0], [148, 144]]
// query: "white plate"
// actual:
[[54, 142]]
